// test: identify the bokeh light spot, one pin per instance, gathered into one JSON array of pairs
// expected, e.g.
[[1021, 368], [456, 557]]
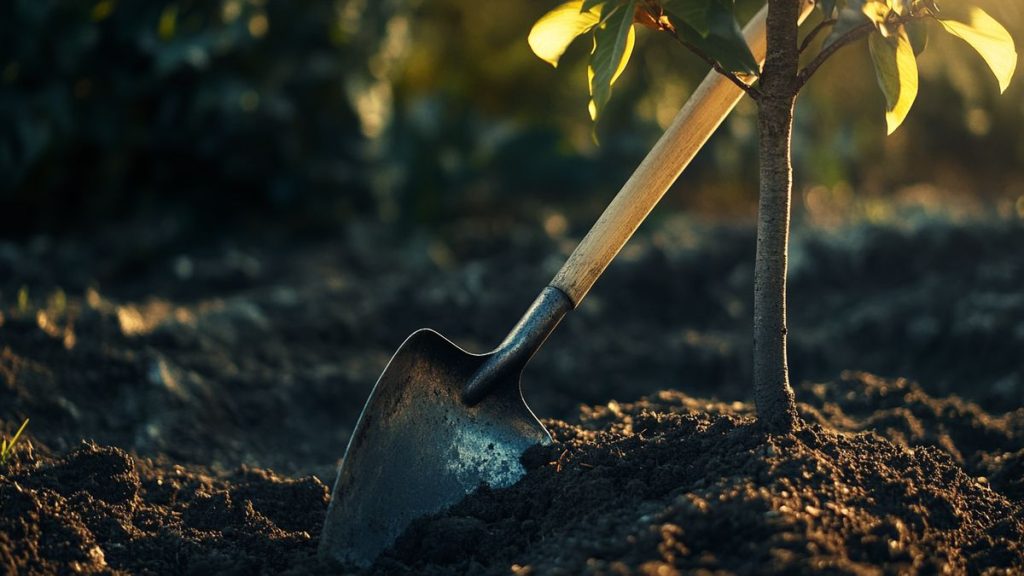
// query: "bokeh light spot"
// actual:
[[258, 25]]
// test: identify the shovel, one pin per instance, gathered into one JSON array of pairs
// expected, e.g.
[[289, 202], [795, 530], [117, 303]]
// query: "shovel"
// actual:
[[441, 421]]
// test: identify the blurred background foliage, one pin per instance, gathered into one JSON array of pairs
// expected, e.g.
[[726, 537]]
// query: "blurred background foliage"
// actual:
[[301, 115]]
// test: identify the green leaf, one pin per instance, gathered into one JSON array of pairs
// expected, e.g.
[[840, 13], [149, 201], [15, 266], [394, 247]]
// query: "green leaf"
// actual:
[[917, 31], [724, 41], [692, 12], [553, 33], [613, 44], [896, 70], [989, 38]]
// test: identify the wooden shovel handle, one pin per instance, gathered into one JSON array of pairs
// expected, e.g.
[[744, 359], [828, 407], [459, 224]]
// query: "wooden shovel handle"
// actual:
[[690, 129]]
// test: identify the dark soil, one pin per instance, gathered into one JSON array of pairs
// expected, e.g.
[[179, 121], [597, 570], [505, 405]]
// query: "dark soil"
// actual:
[[671, 483], [165, 382], [99, 510], [666, 483]]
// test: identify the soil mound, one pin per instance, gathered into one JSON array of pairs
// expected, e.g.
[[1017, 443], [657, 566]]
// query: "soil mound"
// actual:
[[883, 478], [671, 484]]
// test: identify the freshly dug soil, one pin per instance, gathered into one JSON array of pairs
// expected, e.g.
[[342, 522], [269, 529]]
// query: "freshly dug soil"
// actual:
[[882, 478], [671, 483], [189, 404]]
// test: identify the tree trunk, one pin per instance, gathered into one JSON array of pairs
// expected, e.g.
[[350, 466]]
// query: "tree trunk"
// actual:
[[773, 395]]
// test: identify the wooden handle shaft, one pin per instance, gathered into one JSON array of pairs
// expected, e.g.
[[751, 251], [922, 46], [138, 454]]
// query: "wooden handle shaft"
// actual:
[[690, 129]]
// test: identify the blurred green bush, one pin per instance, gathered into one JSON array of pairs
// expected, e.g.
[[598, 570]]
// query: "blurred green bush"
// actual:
[[205, 110], [302, 113]]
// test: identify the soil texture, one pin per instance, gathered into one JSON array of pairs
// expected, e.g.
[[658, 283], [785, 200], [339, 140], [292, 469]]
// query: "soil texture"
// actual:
[[189, 404]]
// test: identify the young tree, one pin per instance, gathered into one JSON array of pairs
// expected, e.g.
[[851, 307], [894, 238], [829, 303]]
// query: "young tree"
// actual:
[[896, 32]]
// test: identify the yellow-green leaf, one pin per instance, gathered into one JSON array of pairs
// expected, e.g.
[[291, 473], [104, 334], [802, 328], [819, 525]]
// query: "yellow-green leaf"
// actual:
[[990, 39], [877, 11], [896, 70], [613, 45], [553, 33]]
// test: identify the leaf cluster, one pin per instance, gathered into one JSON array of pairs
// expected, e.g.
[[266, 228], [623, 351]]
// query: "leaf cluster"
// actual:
[[706, 26], [897, 32], [240, 108]]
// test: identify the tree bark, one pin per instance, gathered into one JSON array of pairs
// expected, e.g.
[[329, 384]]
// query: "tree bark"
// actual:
[[773, 394]]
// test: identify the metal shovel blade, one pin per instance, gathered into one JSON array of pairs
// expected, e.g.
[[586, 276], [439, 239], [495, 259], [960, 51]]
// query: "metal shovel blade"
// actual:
[[418, 448]]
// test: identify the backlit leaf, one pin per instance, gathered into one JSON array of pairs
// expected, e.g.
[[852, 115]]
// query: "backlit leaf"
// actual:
[[588, 4], [553, 33], [876, 11], [692, 12], [989, 38], [613, 45], [896, 70]]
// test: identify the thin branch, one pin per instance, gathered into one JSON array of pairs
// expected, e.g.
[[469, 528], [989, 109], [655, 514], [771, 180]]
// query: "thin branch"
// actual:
[[751, 91], [853, 35], [814, 33]]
